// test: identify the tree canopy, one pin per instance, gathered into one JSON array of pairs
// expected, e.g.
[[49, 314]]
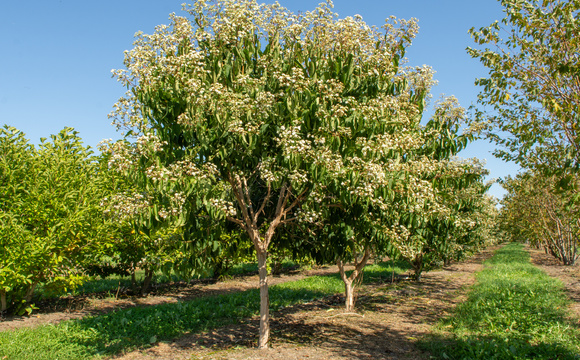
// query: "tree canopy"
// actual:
[[532, 94]]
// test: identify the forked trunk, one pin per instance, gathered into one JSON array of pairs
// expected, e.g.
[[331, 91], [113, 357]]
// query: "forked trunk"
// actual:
[[250, 222], [3, 304], [264, 300], [349, 281]]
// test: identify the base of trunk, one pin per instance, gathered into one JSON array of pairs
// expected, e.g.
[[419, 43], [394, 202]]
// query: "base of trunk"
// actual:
[[264, 301]]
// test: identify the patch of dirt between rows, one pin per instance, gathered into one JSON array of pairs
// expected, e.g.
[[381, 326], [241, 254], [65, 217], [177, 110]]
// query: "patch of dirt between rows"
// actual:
[[390, 319]]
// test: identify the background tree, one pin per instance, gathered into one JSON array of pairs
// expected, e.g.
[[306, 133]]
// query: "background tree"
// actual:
[[138, 206], [534, 213], [50, 219], [248, 106], [530, 105], [532, 94]]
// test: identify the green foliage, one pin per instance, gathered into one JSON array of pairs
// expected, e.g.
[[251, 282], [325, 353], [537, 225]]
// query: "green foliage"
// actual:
[[535, 212], [50, 218], [515, 311], [532, 93]]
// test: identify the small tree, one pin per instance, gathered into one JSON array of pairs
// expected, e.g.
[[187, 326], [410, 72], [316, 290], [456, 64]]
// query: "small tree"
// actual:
[[249, 106]]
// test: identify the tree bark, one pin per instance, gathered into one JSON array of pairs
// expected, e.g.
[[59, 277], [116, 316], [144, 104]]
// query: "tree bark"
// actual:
[[30, 292], [350, 280], [3, 305], [146, 281], [134, 282], [264, 299], [349, 296]]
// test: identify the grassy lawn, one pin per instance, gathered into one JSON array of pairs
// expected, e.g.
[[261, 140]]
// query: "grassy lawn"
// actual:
[[515, 311], [124, 330]]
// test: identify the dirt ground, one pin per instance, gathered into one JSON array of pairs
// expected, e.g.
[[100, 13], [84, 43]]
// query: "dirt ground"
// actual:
[[390, 317]]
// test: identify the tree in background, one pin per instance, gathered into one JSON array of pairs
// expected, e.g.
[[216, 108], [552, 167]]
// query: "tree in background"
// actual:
[[530, 105], [534, 213], [249, 109], [137, 207], [532, 94], [50, 216]]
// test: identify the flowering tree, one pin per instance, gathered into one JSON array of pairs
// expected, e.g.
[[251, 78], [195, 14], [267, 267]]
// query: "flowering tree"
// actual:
[[252, 111], [137, 206], [362, 202], [429, 228]]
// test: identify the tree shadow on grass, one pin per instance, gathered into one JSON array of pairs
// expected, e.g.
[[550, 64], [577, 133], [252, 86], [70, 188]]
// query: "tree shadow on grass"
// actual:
[[139, 327]]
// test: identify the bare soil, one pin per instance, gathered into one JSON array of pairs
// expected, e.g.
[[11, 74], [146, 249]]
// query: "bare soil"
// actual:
[[390, 317]]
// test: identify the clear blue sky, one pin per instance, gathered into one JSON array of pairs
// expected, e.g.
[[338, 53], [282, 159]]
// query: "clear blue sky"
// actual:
[[56, 57]]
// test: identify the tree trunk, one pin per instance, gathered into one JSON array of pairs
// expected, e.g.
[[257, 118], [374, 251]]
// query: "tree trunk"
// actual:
[[134, 282], [349, 281], [30, 292], [349, 296], [264, 299], [418, 267], [146, 281], [3, 304]]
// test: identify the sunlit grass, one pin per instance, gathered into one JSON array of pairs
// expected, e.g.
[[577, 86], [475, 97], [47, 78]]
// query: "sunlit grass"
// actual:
[[515, 311]]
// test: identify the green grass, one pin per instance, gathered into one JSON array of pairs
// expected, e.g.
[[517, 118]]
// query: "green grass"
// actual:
[[515, 311], [128, 329]]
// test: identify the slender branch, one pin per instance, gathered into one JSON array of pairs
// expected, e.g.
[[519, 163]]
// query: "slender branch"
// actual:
[[296, 201], [248, 199], [237, 221], [263, 205], [236, 187], [286, 221]]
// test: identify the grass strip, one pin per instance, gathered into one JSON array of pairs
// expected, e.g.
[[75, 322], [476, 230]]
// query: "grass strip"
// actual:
[[128, 329], [514, 311]]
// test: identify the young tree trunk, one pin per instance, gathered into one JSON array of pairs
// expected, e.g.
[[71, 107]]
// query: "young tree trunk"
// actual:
[[418, 267], [264, 300], [30, 292], [349, 296], [134, 282], [3, 305], [250, 223], [146, 281], [349, 281]]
